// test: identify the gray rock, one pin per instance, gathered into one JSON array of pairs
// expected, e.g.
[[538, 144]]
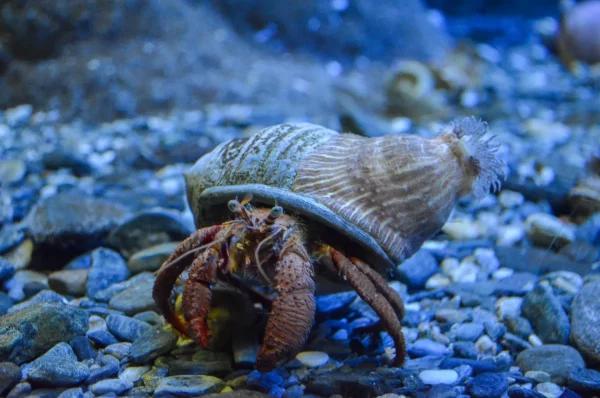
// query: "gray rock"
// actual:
[[10, 375], [109, 369], [361, 385], [153, 343], [519, 326], [488, 385], [415, 271], [72, 393], [26, 334], [137, 298], [125, 328], [115, 386], [16, 284], [147, 229], [585, 318], [82, 348], [187, 386], [585, 382], [468, 331], [556, 360], [58, 368], [69, 282], [71, 220], [546, 314], [45, 296], [107, 294], [118, 350], [107, 267], [150, 317], [213, 368], [151, 259]]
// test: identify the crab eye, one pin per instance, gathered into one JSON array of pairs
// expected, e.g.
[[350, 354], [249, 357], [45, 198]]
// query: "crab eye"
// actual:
[[233, 205], [276, 212]]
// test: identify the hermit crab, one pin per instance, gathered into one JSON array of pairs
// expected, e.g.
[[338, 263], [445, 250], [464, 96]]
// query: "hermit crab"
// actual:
[[325, 206]]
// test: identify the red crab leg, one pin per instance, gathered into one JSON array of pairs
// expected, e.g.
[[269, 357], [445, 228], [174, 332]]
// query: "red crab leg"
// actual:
[[197, 295], [168, 273], [375, 291], [293, 311]]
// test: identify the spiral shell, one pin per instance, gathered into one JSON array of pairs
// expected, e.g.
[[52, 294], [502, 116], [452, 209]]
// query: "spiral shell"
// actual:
[[388, 194], [579, 35]]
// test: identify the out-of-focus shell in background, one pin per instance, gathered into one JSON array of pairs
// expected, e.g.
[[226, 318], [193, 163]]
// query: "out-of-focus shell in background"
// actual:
[[578, 38]]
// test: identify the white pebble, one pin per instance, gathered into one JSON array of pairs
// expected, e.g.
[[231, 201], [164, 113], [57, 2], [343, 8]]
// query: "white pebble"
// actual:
[[312, 359], [487, 260], [510, 199], [485, 345], [437, 280], [538, 376], [461, 229], [508, 306], [449, 265], [545, 229], [508, 235], [550, 390], [438, 376], [465, 273], [534, 340], [502, 273]]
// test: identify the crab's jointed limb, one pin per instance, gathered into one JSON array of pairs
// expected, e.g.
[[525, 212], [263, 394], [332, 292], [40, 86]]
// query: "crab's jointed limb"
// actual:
[[375, 291], [293, 312]]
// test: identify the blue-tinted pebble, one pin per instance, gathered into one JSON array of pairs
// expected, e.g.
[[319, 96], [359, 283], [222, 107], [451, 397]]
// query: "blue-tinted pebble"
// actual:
[[488, 385], [125, 328], [102, 338], [294, 392], [478, 366], [5, 303], [115, 386], [72, 393], [118, 350], [103, 372], [277, 392], [424, 347], [82, 348]]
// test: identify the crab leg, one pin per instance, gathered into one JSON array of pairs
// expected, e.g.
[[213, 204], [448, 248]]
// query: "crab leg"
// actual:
[[293, 311], [168, 273], [197, 295], [375, 292]]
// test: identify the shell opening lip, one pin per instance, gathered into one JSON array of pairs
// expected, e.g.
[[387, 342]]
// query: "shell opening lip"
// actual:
[[293, 203]]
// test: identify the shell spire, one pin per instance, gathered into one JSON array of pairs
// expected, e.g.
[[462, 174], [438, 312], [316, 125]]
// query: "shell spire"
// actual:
[[477, 155]]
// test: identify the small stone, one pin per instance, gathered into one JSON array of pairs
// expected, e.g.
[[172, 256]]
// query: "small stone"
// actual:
[[82, 348], [109, 369], [546, 230], [114, 386], [153, 343], [436, 281], [312, 359], [151, 259], [448, 315], [12, 171], [10, 375], [7, 270], [135, 299], [508, 307], [486, 259], [424, 347], [70, 282], [584, 381], [415, 271], [5, 303], [107, 267], [538, 376], [510, 235], [546, 314], [101, 338], [20, 390], [45, 296], [465, 349], [585, 318], [461, 229], [72, 393], [519, 326], [438, 376], [16, 284], [510, 199], [486, 346], [133, 374], [488, 385], [18, 116], [468, 331], [550, 390], [125, 328], [466, 272], [58, 368], [556, 360], [335, 303], [502, 273], [35, 329], [187, 386], [519, 392], [118, 350]]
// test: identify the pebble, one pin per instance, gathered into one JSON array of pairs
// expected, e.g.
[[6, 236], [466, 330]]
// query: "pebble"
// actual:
[[118, 350], [187, 386], [509, 307], [449, 315], [5, 303], [415, 271], [461, 229], [510, 199], [58, 368], [549, 390], [82, 348], [438, 376], [107, 267], [125, 328], [35, 329], [424, 347], [12, 171], [333, 304], [114, 386], [10, 375], [585, 318], [154, 342], [468, 331], [45, 296], [69, 282], [149, 228], [519, 326], [436, 281], [133, 374], [16, 284], [546, 230], [546, 314], [136, 298], [312, 359], [584, 381], [72, 221], [465, 349], [487, 385], [110, 368], [537, 376], [556, 360], [151, 259], [519, 392]]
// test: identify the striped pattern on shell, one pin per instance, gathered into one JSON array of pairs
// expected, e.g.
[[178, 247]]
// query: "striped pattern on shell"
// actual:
[[398, 189]]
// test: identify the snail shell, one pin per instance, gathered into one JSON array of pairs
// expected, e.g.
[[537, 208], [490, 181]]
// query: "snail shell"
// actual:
[[579, 35], [387, 194]]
